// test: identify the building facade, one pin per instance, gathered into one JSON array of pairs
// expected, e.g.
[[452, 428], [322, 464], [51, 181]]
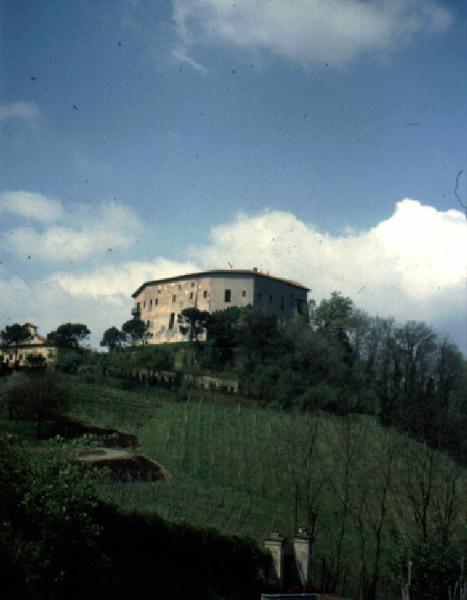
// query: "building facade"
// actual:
[[18, 354], [159, 302]]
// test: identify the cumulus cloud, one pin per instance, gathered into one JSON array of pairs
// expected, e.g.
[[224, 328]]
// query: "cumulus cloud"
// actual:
[[79, 233], [309, 31], [27, 111], [122, 279], [45, 303], [411, 265], [30, 205]]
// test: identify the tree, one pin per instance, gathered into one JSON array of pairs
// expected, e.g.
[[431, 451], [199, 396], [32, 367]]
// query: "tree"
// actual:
[[259, 338], [337, 319], [193, 322], [68, 335], [13, 335], [113, 338], [333, 314], [222, 337], [137, 330]]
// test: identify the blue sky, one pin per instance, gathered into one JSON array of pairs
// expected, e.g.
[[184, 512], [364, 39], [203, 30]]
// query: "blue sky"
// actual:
[[141, 138]]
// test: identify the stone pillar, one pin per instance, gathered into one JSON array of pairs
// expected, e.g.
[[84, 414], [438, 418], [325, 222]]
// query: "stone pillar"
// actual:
[[275, 543], [302, 544]]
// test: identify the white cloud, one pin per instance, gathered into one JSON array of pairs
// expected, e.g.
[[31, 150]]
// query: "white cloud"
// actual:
[[48, 305], [79, 233], [411, 265], [100, 299], [181, 56], [19, 110], [30, 205], [309, 31], [122, 279]]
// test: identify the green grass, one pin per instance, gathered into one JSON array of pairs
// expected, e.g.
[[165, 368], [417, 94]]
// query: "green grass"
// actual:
[[250, 470]]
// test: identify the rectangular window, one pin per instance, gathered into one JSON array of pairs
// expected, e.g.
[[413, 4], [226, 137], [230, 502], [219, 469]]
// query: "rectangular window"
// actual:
[[227, 295], [192, 284], [270, 298], [171, 320], [191, 295], [159, 290], [282, 303], [174, 298], [150, 304], [156, 301], [205, 294], [144, 304], [243, 294]]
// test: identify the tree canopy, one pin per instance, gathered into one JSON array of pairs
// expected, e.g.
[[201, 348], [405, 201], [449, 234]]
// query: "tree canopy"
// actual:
[[68, 335], [136, 330], [193, 321], [113, 338], [15, 334]]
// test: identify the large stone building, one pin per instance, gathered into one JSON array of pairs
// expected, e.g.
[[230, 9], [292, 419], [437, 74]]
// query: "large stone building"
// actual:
[[159, 302]]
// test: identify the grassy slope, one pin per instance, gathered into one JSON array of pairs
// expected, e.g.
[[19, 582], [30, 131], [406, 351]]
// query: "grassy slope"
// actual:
[[239, 468]]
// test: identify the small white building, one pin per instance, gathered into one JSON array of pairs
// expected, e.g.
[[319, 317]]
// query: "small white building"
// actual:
[[36, 345], [159, 302]]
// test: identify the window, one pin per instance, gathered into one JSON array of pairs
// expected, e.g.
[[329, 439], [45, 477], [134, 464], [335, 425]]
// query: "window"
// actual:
[[291, 300], [282, 303], [174, 298], [205, 294], [144, 304], [158, 290], [270, 298], [150, 304], [192, 284], [191, 295], [171, 320], [179, 286], [243, 294], [156, 301], [227, 295]]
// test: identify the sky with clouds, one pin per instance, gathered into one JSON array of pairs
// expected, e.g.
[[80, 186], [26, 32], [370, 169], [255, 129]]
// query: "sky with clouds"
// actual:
[[319, 140]]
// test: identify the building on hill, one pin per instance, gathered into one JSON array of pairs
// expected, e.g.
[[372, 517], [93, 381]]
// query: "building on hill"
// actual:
[[19, 353], [159, 302]]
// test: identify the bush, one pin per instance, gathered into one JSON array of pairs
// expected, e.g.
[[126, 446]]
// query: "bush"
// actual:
[[37, 397], [435, 568], [47, 528]]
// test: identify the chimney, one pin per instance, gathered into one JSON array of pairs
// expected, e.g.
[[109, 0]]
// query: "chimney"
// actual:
[[275, 544], [255, 269], [302, 545]]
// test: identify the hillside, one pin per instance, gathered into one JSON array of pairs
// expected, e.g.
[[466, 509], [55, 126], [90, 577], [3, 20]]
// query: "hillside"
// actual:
[[373, 496]]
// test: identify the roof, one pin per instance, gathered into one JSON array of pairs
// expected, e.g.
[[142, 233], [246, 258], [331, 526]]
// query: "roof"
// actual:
[[215, 272]]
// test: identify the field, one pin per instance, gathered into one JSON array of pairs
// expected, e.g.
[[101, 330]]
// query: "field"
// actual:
[[252, 470]]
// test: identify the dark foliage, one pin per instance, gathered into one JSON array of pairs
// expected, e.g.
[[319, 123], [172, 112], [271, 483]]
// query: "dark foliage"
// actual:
[[68, 335]]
